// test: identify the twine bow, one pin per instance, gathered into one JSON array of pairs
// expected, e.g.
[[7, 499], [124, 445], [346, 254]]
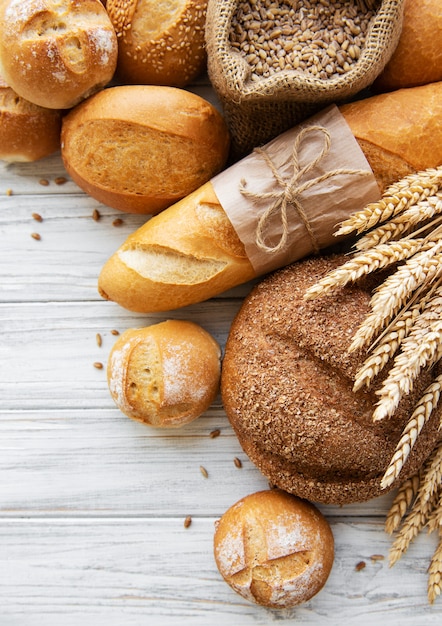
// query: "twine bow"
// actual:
[[290, 189]]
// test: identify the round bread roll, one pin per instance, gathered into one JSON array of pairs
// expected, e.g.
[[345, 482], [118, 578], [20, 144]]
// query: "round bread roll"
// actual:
[[417, 59], [28, 132], [287, 388], [56, 53], [164, 375], [141, 148], [159, 43], [274, 549]]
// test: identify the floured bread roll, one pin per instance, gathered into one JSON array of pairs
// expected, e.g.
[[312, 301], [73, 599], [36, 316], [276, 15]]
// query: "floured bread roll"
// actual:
[[287, 388], [274, 549], [55, 53], [166, 374]]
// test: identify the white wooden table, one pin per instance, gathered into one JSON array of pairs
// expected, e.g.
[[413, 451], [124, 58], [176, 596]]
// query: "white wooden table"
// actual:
[[92, 504]]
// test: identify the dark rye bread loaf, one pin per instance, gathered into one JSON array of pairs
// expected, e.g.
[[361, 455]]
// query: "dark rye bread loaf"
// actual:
[[287, 382]]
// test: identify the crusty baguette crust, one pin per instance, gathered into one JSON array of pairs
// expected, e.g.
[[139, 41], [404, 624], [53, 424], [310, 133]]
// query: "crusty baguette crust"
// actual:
[[400, 132], [402, 128], [417, 59], [181, 236]]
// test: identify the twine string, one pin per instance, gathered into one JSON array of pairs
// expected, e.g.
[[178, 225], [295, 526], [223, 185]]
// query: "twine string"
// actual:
[[288, 191]]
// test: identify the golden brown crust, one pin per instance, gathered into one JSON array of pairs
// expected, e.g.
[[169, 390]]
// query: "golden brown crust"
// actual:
[[164, 375], [398, 130], [274, 549], [28, 132], [417, 59], [160, 267], [287, 388], [159, 42], [141, 148], [56, 54]]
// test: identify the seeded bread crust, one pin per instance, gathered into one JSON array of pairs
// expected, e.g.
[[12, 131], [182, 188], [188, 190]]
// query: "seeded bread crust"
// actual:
[[287, 383], [160, 42]]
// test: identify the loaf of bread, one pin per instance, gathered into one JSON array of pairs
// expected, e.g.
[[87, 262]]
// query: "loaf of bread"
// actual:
[[55, 53], [140, 148], [191, 252], [274, 549], [28, 132], [417, 59], [164, 375], [159, 43], [287, 389]]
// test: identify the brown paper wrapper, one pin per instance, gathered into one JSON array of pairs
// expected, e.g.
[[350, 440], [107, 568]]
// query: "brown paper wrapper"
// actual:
[[286, 200]]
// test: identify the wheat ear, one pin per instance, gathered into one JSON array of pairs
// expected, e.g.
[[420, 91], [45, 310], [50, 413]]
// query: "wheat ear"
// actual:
[[402, 501], [403, 223], [435, 572], [396, 198], [411, 527], [391, 296], [387, 345], [362, 264], [421, 348], [417, 421]]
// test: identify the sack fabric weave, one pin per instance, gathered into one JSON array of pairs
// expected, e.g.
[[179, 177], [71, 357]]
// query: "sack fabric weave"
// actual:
[[258, 110]]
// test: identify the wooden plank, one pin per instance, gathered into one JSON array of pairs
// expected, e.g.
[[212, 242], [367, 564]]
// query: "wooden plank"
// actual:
[[100, 462], [154, 571]]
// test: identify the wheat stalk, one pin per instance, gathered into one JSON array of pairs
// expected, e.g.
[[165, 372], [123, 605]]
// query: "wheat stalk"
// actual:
[[402, 501], [391, 296], [435, 572], [421, 348], [362, 264], [397, 197], [403, 223], [417, 421], [411, 527], [387, 346]]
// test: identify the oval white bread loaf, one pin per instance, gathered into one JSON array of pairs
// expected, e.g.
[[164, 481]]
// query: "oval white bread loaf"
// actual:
[[140, 148], [274, 549], [181, 257], [417, 59], [55, 53], [28, 132], [159, 43], [164, 375]]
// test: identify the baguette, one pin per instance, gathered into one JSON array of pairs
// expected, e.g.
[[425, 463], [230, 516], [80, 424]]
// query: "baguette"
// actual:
[[191, 252]]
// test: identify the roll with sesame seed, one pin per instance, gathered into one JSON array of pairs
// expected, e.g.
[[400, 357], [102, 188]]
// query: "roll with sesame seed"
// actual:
[[159, 42]]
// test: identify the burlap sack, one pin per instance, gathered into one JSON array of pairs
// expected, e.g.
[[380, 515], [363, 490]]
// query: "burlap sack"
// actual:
[[258, 110]]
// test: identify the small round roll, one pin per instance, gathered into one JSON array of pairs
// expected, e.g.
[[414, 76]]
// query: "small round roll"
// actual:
[[274, 549], [141, 148], [28, 132], [56, 53], [159, 43], [164, 375]]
